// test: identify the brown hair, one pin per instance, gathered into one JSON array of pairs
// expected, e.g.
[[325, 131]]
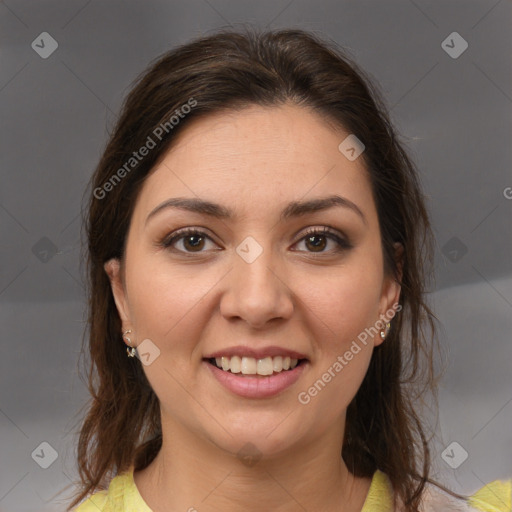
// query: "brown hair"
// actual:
[[232, 70]]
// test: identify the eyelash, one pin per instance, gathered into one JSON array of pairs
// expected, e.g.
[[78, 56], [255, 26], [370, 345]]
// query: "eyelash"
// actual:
[[342, 243]]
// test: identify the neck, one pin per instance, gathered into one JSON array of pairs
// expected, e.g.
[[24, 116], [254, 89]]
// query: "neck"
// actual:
[[191, 473]]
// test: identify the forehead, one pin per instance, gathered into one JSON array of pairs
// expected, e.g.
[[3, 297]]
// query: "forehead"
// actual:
[[254, 156]]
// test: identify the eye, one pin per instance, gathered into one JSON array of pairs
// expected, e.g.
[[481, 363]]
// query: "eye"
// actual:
[[192, 240], [314, 236]]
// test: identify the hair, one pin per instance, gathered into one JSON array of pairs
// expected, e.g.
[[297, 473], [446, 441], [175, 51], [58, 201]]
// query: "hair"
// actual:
[[232, 70]]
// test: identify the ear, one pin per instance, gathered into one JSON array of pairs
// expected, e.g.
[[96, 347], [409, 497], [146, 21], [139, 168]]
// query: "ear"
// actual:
[[390, 293], [113, 269]]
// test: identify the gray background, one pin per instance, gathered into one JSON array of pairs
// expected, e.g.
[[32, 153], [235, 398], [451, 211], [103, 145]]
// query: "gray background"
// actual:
[[454, 114]]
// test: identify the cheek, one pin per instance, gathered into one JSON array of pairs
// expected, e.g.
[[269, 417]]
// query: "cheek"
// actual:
[[340, 311], [167, 306], [343, 305]]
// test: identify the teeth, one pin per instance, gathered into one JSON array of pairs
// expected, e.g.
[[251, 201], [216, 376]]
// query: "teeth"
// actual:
[[249, 365], [252, 366], [277, 363], [235, 365], [265, 366]]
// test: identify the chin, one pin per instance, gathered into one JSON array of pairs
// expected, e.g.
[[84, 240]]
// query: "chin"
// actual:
[[266, 437]]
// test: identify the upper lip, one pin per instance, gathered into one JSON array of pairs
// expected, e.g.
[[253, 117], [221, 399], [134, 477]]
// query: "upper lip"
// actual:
[[259, 353]]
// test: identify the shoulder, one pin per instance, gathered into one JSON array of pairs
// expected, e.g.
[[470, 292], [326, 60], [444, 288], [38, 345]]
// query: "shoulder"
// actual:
[[113, 499], [493, 497], [496, 496], [94, 503]]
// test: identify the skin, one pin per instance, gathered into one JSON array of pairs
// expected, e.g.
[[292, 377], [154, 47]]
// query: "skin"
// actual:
[[315, 301]]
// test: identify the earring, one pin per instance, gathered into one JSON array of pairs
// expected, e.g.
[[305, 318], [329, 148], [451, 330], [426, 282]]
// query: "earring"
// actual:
[[384, 332], [130, 351]]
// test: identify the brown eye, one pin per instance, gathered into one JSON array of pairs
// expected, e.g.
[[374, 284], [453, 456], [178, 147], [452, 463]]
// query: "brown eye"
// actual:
[[196, 242], [192, 241], [316, 241]]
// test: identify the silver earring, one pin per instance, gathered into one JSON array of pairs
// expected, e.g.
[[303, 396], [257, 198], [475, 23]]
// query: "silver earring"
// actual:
[[129, 350], [384, 332]]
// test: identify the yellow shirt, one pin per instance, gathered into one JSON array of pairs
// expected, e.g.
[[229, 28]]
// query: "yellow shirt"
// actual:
[[123, 496]]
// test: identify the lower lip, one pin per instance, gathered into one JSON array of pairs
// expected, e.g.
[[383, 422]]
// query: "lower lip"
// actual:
[[249, 386]]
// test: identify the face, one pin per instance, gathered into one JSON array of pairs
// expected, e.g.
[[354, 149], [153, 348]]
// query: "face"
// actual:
[[266, 283]]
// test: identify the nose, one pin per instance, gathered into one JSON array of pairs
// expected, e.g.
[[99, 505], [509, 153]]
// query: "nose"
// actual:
[[257, 292]]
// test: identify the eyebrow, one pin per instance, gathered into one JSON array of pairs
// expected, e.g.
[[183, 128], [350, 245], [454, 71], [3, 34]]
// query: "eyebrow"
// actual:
[[293, 209]]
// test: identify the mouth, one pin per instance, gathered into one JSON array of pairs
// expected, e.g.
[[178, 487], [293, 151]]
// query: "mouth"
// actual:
[[253, 378], [252, 367]]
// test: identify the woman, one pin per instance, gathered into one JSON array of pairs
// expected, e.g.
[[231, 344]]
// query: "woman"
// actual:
[[259, 240]]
